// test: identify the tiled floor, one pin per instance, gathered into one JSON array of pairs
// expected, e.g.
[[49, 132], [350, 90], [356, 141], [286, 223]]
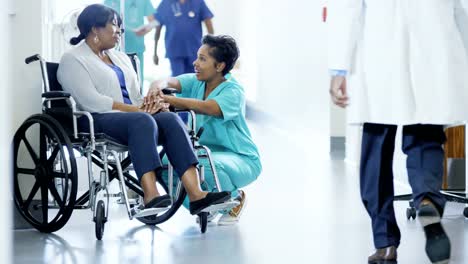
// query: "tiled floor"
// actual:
[[305, 208]]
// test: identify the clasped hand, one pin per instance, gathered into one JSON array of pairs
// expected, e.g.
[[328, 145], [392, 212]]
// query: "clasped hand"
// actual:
[[154, 102]]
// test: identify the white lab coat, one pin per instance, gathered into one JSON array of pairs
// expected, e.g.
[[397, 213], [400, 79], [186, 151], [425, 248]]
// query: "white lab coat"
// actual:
[[406, 60]]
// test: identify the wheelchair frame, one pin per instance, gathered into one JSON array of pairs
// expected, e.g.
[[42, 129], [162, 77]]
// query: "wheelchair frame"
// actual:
[[59, 188]]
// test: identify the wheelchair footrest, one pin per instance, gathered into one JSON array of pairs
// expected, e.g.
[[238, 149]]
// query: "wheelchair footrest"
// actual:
[[222, 206], [147, 212], [113, 195]]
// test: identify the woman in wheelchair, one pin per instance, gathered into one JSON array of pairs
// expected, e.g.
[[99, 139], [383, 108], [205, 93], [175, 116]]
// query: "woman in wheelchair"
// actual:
[[103, 82], [220, 103]]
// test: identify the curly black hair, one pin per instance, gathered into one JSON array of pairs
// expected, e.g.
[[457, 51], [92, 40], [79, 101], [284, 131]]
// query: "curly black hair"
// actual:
[[223, 49]]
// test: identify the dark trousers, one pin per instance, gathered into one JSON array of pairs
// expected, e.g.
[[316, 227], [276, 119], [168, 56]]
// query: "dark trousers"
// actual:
[[423, 146], [182, 65], [142, 133]]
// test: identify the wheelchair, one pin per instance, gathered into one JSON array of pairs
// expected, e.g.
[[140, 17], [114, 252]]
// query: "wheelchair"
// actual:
[[45, 175]]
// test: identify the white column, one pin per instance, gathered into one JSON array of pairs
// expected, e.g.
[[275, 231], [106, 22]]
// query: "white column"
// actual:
[[466, 160], [7, 10]]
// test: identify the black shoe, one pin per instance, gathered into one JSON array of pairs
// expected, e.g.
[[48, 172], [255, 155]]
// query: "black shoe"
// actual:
[[159, 202], [211, 198], [437, 241]]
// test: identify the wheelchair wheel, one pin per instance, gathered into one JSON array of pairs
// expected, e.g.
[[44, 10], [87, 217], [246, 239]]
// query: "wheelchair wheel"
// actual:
[[100, 220], [44, 173], [203, 221], [178, 199]]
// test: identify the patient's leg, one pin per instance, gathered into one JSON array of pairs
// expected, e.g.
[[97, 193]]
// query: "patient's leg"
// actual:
[[149, 187]]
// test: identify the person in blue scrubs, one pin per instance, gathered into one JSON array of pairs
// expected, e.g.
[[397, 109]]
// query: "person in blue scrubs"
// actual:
[[219, 101], [135, 11], [183, 21]]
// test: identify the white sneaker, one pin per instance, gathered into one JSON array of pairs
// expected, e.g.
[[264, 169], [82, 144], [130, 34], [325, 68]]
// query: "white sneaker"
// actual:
[[232, 217]]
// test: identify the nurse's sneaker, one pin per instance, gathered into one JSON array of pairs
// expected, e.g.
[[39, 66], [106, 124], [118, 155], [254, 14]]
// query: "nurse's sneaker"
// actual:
[[232, 216]]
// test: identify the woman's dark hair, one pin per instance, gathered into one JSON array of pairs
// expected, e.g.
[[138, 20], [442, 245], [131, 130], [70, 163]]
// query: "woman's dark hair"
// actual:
[[223, 49], [95, 15]]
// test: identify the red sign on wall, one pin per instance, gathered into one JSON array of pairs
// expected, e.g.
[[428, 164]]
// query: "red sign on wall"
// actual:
[[324, 14]]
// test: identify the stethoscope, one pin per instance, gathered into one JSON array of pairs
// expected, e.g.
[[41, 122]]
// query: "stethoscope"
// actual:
[[177, 10]]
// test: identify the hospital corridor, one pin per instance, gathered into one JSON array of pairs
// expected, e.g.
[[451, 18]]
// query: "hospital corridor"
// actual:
[[234, 132]]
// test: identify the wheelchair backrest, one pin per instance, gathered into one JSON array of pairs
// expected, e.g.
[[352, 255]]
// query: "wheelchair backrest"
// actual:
[[134, 59], [136, 66], [59, 109], [52, 68]]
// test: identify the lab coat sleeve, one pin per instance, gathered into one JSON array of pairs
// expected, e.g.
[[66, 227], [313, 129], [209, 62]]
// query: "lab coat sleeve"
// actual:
[[334, 72], [76, 80], [344, 24], [461, 19]]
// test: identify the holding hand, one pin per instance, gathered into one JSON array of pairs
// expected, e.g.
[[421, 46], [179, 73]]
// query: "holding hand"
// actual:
[[154, 103]]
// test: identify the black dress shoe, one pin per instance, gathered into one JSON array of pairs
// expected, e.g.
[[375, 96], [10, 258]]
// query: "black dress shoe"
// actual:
[[437, 241], [387, 255], [211, 198], [159, 202]]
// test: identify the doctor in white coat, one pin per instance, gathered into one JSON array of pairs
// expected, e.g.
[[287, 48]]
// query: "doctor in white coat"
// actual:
[[400, 62]]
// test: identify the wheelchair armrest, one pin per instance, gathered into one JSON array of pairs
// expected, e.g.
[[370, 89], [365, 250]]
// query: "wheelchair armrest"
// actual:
[[91, 125], [180, 110], [55, 94], [169, 91]]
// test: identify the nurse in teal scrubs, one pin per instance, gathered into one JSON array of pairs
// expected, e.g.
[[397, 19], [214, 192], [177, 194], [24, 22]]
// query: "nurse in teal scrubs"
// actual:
[[219, 101], [135, 11]]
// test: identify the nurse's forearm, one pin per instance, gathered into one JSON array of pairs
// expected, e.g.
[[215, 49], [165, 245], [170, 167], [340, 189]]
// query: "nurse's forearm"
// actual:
[[209, 107], [209, 26]]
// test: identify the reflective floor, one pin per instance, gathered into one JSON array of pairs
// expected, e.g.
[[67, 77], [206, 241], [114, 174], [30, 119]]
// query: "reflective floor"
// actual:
[[305, 208]]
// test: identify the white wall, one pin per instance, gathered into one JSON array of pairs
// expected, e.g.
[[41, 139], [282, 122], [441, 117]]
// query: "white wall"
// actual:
[[282, 64], [287, 42], [27, 38], [5, 137]]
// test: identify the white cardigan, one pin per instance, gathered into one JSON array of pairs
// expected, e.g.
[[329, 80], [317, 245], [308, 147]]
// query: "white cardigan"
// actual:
[[92, 83]]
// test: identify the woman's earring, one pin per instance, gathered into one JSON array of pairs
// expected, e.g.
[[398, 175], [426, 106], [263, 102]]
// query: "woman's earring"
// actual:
[[96, 39]]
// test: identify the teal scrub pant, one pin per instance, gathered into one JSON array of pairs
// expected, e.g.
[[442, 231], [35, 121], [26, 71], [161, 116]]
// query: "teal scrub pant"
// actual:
[[234, 172]]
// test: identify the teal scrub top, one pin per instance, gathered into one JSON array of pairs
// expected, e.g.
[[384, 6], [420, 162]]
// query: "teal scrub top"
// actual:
[[135, 12], [229, 132]]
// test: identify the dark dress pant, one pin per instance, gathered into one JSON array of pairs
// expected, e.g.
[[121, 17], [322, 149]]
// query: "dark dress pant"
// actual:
[[422, 145]]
